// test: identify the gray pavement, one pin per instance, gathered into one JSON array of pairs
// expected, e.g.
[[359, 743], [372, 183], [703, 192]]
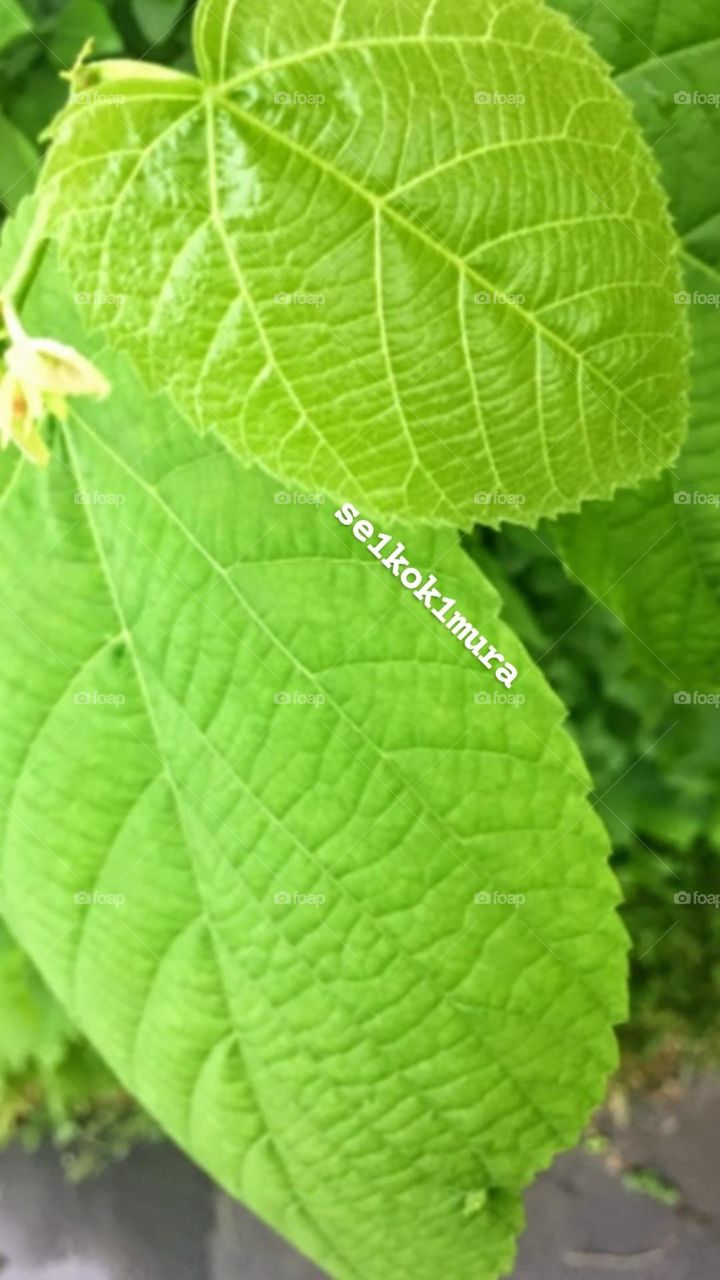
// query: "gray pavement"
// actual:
[[156, 1217]]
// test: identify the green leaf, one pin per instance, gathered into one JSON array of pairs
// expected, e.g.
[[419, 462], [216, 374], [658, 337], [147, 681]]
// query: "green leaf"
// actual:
[[654, 555], [33, 1028], [648, 37], [38, 95], [18, 165], [13, 22], [53, 1086], [79, 21], [157, 19], [364, 275], [215, 698]]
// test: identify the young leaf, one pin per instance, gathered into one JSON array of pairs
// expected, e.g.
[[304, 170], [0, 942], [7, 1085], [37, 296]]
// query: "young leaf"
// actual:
[[249, 800], [654, 555], [401, 255]]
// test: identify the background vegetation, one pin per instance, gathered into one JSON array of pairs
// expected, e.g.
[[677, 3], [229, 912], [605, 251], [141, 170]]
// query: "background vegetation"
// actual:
[[655, 764]]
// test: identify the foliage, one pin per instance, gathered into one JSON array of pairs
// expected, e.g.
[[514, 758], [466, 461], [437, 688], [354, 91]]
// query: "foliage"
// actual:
[[668, 589], [257, 799], [230, 793], [353, 338], [52, 1084], [51, 1081], [39, 43], [655, 765]]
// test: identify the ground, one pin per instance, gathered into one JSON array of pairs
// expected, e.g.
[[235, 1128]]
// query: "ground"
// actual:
[[155, 1217]]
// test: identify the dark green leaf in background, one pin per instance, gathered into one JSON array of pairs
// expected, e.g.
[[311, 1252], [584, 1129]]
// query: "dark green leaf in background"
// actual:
[[654, 554], [157, 18], [13, 22], [18, 165], [79, 21]]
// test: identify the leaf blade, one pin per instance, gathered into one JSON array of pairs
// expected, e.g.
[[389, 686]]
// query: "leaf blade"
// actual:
[[392, 1050], [660, 550], [399, 387]]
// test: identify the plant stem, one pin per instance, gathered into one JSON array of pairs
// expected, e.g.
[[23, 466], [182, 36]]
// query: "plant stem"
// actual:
[[18, 285]]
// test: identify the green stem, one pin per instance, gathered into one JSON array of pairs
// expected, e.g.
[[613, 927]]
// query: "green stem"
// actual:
[[17, 287]]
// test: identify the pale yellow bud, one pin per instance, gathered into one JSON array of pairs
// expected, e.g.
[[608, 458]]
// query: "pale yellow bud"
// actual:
[[48, 365], [40, 373]]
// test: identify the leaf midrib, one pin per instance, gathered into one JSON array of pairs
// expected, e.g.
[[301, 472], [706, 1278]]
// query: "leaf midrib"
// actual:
[[459, 263], [215, 939], [222, 573], [467, 1014]]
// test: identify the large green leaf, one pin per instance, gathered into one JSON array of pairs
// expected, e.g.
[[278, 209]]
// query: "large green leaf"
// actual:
[[407, 255], [654, 555], [214, 699]]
